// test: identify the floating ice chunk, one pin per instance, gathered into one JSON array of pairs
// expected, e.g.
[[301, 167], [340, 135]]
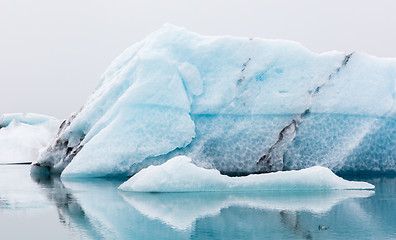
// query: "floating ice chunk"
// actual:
[[180, 175], [23, 135]]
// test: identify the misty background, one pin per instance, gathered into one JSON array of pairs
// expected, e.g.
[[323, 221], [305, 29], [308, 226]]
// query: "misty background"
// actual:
[[52, 53]]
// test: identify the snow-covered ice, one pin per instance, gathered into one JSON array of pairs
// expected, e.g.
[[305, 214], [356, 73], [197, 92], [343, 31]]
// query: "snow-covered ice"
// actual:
[[180, 175], [23, 135], [237, 105]]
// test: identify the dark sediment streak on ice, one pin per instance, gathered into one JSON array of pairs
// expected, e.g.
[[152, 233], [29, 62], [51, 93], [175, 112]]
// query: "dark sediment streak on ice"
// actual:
[[273, 161]]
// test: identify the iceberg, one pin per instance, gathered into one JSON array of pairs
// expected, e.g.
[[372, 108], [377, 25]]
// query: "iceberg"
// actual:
[[237, 105], [180, 175], [23, 135]]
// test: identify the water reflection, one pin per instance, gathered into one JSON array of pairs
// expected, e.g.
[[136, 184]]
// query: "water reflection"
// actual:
[[181, 210], [291, 220], [17, 191], [70, 212], [99, 210]]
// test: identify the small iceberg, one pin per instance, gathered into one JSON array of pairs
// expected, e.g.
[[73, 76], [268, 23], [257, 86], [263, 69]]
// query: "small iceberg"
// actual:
[[23, 135], [179, 174]]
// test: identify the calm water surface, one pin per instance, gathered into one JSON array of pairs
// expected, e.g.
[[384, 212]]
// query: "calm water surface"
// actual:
[[94, 209]]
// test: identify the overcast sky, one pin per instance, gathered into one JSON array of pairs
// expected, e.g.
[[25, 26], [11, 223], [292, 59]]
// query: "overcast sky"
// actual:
[[52, 53]]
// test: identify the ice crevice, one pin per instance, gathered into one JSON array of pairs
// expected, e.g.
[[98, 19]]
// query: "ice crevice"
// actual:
[[273, 160]]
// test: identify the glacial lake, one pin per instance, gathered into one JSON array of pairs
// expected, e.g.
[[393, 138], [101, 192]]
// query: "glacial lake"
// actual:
[[51, 208]]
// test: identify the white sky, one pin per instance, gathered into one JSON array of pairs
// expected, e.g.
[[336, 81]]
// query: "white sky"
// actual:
[[53, 52]]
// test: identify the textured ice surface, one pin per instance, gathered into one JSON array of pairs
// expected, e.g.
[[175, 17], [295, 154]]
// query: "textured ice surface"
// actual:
[[23, 135], [238, 105], [180, 175], [348, 143]]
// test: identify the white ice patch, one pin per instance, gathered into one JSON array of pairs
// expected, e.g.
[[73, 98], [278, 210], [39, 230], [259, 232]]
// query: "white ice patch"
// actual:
[[180, 175]]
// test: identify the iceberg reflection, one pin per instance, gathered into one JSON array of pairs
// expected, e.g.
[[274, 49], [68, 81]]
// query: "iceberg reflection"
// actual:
[[95, 209], [105, 212], [181, 210], [70, 212]]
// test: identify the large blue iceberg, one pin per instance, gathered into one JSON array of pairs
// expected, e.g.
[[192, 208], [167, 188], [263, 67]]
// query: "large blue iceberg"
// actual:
[[238, 105]]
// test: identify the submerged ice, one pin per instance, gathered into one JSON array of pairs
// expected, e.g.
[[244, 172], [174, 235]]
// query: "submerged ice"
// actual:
[[237, 105]]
